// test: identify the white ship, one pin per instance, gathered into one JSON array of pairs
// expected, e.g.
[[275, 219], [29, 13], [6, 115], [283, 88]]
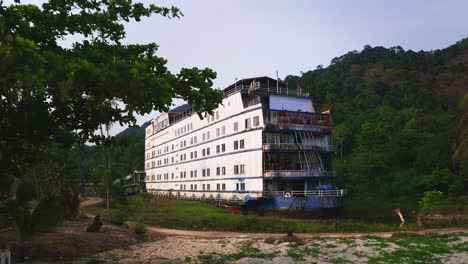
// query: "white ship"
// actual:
[[264, 147]]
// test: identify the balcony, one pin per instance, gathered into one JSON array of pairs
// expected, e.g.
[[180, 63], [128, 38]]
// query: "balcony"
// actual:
[[287, 120], [298, 147], [298, 174]]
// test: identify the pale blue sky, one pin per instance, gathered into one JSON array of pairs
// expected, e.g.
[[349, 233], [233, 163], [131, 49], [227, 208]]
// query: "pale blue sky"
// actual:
[[240, 39], [247, 38]]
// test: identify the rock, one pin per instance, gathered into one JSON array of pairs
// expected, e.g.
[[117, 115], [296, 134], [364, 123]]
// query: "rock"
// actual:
[[95, 225]]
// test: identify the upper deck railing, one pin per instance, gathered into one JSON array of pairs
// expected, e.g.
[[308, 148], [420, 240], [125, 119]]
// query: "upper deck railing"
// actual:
[[278, 117], [308, 193], [266, 88]]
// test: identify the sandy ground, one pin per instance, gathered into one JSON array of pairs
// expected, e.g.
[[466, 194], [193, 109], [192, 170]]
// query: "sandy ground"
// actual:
[[178, 249]]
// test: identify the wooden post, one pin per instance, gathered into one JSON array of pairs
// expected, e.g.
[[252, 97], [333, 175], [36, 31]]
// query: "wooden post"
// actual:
[[398, 212]]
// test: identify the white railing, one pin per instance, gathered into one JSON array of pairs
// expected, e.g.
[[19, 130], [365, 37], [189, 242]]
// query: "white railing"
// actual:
[[298, 173], [308, 193]]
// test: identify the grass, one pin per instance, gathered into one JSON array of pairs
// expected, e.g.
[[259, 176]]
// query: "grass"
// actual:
[[193, 215], [247, 251]]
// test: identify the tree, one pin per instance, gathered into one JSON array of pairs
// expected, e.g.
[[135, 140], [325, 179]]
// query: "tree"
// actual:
[[51, 94]]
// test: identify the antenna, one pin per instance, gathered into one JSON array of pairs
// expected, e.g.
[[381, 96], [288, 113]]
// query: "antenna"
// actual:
[[277, 82]]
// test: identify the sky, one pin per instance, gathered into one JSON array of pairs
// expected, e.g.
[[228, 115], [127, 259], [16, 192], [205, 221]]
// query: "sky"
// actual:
[[248, 38]]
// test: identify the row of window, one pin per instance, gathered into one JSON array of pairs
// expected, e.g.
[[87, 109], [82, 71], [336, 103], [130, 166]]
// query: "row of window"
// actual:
[[221, 148], [220, 131], [238, 170], [207, 187]]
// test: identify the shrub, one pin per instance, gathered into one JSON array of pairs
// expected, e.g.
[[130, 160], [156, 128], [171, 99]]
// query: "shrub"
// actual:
[[139, 228], [430, 201], [118, 195], [117, 218]]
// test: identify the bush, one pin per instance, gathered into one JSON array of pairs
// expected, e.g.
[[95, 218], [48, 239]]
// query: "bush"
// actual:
[[139, 228], [48, 214], [118, 218], [118, 195]]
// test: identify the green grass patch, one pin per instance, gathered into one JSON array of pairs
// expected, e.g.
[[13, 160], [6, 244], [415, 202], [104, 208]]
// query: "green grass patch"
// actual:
[[428, 248], [193, 215], [295, 254]]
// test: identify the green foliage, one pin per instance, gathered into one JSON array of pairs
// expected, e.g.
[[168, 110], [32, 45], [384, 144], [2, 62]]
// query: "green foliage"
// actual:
[[192, 215], [398, 128], [430, 201], [118, 194], [117, 218], [54, 98], [48, 214], [45, 217], [139, 228]]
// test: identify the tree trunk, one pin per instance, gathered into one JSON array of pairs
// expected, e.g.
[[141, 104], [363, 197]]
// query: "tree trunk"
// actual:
[[107, 198], [401, 216]]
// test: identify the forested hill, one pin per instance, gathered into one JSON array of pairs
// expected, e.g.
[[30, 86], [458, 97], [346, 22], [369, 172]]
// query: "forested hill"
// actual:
[[133, 131], [396, 114]]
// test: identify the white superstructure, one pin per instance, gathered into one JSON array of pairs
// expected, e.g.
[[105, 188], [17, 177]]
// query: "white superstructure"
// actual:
[[263, 138]]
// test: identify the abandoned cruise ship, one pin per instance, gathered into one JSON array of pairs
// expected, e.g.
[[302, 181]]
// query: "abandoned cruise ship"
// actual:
[[264, 147]]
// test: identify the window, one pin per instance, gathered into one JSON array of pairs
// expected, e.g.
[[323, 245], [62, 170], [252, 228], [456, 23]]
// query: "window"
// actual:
[[223, 130], [237, 186], [185, 174], [172, 175], [236, 126], [224, 186], [191, 155], [203, 152], [195, 154], [195, 140], [195, 174], [203, 136], [218, 131], [242, 186], [191, 174], [207, 135], [223, 147], [241, 144], [203, 173], [242, 169], [207, 172], [218, 148], [218, 171], [208, 187], [194, 186], [208, 151], [191, 140], [217, 115], [223, 170], [236, 144], [218, 186], [203, 186], [247, 123], [236, 169], [181, 175]]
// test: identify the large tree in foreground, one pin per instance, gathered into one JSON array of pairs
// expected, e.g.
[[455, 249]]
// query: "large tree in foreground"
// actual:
[[50, 94]]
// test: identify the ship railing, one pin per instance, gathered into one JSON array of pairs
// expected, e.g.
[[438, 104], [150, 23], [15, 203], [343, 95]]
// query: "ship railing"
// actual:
[[308, 193], [294, 146], [296, 118], [268, 88], [274, 89], [298, 173]]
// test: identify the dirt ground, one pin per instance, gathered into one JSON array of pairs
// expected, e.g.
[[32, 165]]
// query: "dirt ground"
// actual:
[[70, 242], [119, 244]]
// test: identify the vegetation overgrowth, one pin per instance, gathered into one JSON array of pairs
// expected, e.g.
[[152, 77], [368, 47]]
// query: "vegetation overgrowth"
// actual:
[[194, 215]]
